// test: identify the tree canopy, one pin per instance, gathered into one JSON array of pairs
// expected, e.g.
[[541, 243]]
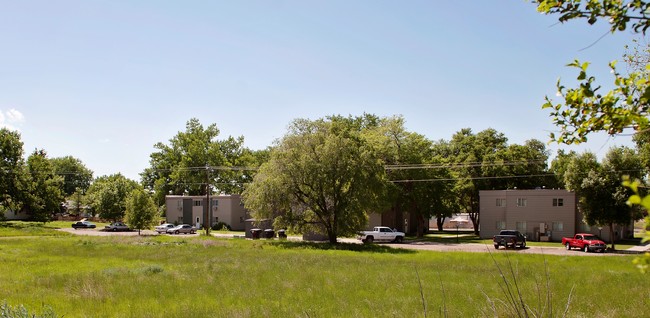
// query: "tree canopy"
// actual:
[[108, 194], [76, 176], [485, 161], [42, 187], [191, 157], [141, 211], [11, 171], [322, 176]]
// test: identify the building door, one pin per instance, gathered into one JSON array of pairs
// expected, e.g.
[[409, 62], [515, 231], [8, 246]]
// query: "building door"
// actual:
[[187, 211]]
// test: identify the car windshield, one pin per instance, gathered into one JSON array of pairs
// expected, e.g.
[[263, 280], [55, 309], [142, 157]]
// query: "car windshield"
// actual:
[[591, 237]]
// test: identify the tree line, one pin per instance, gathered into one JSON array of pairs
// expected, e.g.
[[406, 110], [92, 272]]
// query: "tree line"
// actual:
[[325, 175]]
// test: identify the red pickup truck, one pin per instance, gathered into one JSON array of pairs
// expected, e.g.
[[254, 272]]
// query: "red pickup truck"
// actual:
[[584, 241]]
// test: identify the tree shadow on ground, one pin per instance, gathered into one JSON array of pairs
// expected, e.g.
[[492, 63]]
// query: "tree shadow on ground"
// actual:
[[367, 248]]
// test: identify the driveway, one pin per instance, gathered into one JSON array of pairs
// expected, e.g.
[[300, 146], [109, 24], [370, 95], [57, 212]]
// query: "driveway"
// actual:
[[485, 248]]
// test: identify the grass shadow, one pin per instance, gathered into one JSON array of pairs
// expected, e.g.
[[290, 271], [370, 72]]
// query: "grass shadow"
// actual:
[[449, 237], [325, 246]]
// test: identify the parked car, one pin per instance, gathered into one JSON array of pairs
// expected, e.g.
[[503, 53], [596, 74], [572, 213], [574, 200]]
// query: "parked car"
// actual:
[[509, 238], [183, 228], [584, 241], [117, 226], [381, 234], [164, 227], [83, 225]]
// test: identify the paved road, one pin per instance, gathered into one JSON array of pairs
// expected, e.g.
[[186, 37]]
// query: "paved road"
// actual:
[[425, 246]]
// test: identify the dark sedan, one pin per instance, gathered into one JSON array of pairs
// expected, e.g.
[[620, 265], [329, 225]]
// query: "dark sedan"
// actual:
[[83, 225]]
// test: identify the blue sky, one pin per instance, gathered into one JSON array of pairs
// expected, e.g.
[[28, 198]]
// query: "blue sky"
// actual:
[[104, 81]]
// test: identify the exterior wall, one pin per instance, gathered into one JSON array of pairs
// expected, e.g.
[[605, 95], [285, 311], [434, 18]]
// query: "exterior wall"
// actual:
[[11, 215], [374, 219], [539, 217], [225, 208], [230, 210]]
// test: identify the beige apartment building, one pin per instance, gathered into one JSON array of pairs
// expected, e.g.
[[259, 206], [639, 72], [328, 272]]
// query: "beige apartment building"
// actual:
[[183, 209], [540, 214]]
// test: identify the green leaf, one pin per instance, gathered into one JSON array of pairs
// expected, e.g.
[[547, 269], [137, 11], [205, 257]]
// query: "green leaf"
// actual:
[[635, 199], [646, 202], [582, 76]]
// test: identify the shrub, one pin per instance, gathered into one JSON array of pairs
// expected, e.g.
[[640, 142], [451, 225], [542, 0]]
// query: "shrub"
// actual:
[[221, 226], [20, 311]]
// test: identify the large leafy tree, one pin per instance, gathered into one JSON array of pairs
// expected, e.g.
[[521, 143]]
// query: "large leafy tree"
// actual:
[[76, 176], [603, 199], [322, 175], [485, 161], [195, 157], [12, 176], [42, 188], [422, 184], [141, 211], [108, 194]]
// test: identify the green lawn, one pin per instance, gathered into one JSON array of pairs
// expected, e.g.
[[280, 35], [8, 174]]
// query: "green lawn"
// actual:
[[162, 276], [22, 228]]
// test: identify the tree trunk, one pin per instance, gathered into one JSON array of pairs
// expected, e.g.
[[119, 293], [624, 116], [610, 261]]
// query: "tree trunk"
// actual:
[[475, 221], [332, 238], [331, 235], [440, 221], [420, 229], [611, 235]]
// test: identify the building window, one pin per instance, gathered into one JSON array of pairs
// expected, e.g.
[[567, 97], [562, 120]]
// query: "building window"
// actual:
[[521, 201], [501, 225], [180, 219], [521, 227], [215, 202], [501, 202], [558, 226], [558, 202], [198, 203], [585, 227]]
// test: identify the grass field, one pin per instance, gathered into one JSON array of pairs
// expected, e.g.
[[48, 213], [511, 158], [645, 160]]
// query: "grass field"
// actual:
[[160, 276]]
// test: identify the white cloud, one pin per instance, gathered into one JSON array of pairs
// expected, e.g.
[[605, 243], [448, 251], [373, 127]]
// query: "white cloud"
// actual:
[[11, 117], [15, 116]]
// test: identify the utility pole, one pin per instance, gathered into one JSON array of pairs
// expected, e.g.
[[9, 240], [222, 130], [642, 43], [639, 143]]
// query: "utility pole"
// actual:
[[208, 212]]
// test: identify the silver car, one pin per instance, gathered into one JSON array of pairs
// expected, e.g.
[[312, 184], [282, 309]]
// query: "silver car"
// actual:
[[117, 226], [183, 228], [164, 227]]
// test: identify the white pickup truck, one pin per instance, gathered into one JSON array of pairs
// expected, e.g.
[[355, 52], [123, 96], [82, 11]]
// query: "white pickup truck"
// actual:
[[381, 234]]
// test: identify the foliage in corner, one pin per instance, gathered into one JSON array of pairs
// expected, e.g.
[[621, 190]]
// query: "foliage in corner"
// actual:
[[642, 262], [586, 108], [617, 13]]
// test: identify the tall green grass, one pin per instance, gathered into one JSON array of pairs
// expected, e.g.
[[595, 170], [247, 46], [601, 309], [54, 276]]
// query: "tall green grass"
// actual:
[[183, 277]]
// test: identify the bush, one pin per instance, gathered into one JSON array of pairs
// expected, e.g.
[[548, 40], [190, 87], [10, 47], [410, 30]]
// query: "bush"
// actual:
[[221, 226], [20, 311]]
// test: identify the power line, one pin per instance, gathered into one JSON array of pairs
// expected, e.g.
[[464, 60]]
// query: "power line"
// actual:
[[474, 178]]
